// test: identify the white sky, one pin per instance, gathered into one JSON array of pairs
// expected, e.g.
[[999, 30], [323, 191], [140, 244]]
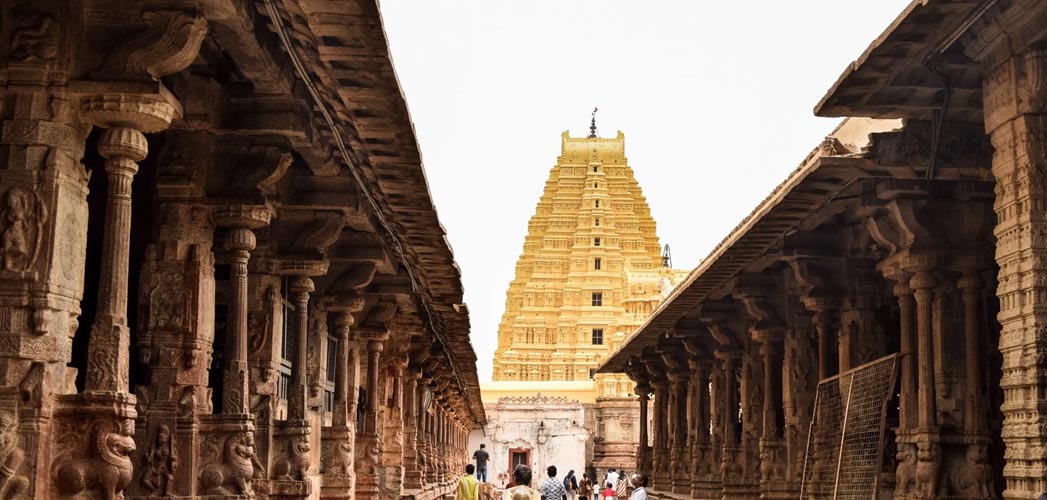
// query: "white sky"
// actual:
[[714, 98]]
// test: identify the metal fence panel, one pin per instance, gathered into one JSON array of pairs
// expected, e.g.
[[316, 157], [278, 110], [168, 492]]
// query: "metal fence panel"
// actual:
[[845, 444]]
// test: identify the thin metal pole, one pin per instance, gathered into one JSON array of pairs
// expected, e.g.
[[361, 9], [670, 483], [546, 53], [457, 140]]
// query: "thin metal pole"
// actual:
[[843, 432]]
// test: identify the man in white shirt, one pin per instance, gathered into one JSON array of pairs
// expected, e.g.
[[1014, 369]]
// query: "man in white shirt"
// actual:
[[640, 485], [612, 477]]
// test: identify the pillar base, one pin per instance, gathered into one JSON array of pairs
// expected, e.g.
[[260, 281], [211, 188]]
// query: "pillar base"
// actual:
[[93, 438], [737, 483], [290, 473], [337, 450], [662, 478], [367, 466], [227, 456]]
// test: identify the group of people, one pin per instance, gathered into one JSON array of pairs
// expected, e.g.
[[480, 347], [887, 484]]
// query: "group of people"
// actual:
[[570, 488], [614, 486]]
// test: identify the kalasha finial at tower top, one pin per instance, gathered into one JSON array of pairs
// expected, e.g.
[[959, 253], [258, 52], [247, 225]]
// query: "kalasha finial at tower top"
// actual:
[[592, 125]]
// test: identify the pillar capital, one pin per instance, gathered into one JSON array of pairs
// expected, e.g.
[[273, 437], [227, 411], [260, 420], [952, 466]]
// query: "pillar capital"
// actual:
[[241, 216], [143, 113]]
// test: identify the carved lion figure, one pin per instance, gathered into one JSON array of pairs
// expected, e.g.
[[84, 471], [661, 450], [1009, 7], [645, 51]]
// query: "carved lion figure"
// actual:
[[905, 474], [294, 464], [231, 476], [339, 458], [110, 471], [928, 470], [974, 475]]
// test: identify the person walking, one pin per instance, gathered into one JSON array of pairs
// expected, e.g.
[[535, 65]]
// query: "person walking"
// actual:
[[639, 487], [481, 458], [611, 477], [585, 487], [552, 488], [608, 492], [621, 488], [468, 486], [522, 486], [570, 484]]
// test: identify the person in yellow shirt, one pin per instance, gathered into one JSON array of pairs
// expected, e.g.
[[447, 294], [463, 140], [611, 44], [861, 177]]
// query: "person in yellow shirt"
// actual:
[[468, 486]]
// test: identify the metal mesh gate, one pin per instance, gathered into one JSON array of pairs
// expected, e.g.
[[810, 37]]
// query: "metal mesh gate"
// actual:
[[845, 444]]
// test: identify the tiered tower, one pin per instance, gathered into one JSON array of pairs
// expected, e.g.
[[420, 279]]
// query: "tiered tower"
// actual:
[[591, 270]]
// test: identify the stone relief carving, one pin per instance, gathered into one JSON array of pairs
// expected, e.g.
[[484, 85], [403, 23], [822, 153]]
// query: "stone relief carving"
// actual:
[[160, 462], [233, 474], [23, 219], [12, 485], [105, 468], [905, 474], [293, 461], [973, 476], [167, 45], [337, 457], [367, 458], [35, 37], [928, 469]]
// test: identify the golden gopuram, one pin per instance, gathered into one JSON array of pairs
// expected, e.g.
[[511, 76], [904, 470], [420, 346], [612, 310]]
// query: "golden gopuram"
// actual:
[[592, 269]]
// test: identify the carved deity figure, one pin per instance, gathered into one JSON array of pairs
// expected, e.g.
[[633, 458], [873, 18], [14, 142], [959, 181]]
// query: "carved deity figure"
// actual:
[[34, 37], [16, 236], [110, 472], [160, 463], [231, 476], [12, 485]]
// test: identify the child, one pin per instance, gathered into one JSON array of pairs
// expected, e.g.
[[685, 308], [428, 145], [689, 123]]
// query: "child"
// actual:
[[608, 492]]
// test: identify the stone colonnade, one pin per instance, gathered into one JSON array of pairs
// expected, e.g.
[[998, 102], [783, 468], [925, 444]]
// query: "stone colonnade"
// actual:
[[253, 324], [887, 265]]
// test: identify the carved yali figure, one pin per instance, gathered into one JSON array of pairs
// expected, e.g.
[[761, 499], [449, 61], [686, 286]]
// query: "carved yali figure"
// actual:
[[338, 459], [160, 463], [294, 463], [12, 486], [109, 472], [231, 476]]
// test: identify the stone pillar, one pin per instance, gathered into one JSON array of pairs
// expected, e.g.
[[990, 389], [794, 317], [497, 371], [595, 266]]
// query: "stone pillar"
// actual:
[[393, 432], [110, 345], [241, 221], [928, 450], [292, 443], [773, 457], [732, 457], [643, 392], [414, 430], [100, 421], [1016, 119], [752, 422], [368, 442], [337, 442], [825, 317], [678, 431], [909, 354], [703, 482], [661, 462]]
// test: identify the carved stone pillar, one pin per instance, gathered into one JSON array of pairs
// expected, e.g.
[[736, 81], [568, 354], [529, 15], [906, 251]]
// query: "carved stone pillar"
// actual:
[[1015, 108], [393, 435], [368, 442], [732, 458], [909, 354], [703, 483], [928, 449], [752, 401], [678, 381], [239, 243], [825, 320], [338, 441], [413, 429], [102, 418], [643, 392], [773, 457], [292, 443], [661, 462]]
